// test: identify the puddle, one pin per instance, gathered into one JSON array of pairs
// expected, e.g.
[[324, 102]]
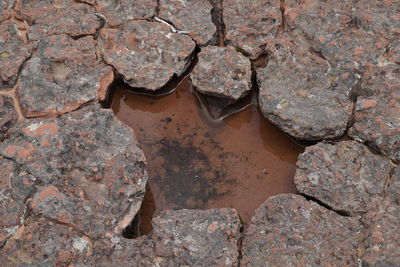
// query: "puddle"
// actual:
[[198, 163]]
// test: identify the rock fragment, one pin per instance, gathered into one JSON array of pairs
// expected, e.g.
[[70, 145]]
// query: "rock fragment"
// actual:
[[251, 24], [44, 243], [347, 176], [8, 115], [377, 113], [16, 186], [47, 17], [119, 12], [146, 54], [14, 51], [92, 171], [61, 76], [179, 238], [5, 9], [192, 17], [288, 230], [222, 72], [302, 93]]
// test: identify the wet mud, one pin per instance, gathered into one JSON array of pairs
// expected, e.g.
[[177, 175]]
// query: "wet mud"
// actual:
[[197, 162]]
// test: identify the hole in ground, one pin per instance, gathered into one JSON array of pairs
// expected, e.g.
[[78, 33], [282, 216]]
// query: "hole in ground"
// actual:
[[198, 163]]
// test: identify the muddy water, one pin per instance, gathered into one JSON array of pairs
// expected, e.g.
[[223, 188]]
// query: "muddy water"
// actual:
[[197, 163]]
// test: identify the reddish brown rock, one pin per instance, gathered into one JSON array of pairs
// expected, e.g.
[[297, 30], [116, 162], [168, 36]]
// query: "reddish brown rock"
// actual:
[[346, 176], [192, 17], [61, 76], [92, 171], [44, 243], [146, 54], [381, 17], [288, 230], [16, 185], [5, 9], [13, 53], [377, 113], [48, 17], [223, 72], [302, 93], [250, 25], [119, 12], [8, 115], [179, 238]]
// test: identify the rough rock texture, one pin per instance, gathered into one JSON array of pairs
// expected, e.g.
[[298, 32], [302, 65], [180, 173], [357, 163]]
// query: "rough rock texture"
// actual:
[[16, 186], [222, 71], [48, 17], [61, 76], [13, 53], [251, 24], [288, 230], [346, 176], [91, 169], [5, 9], [44, 243], [8, 115], [179, 238], [119, 12], [302, 93], [146, 54], [377, 114], [382, 235], [190, 16]]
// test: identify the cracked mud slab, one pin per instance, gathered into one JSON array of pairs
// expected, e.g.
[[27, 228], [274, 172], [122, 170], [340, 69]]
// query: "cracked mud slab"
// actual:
[[14, 51], [61, 76], [91, 170], [289, 230], [346, 176], [47, 17], [157, 53]]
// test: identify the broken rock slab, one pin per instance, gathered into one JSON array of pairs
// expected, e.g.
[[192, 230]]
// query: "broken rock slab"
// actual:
[[5, 9], [14, 51], [251, 24], [346, 176], [62, 75], [48, 17], [179, 238], [192, 17], [146, 54], [92, 172], [42, 242], [302, 93], [16, 186], [119, 12], [222, 72], [8, 115], [377, 112], [288, 230]]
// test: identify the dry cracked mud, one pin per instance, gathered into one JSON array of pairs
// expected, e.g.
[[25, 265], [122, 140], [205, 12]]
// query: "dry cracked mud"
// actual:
[[219, 181]]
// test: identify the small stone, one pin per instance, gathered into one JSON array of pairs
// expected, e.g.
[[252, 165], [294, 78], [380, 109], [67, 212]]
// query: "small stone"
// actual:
[[5, 9], [91, 169], [61, 76], [346, 176], [48, 17], [379, 124], [288, 230], [222, 72], [119, 12], [250, 25], [13, 53], [192, 17], [302, 93], [15, 187], [146, 54], [44, 243], [8, 115]]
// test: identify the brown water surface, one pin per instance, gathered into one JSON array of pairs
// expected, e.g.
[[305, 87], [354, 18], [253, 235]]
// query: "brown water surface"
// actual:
[[197, 163]]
